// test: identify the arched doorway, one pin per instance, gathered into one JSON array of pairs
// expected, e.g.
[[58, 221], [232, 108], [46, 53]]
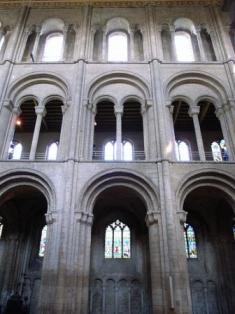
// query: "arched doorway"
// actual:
[[22, 244], [209, 245], [119, 276]]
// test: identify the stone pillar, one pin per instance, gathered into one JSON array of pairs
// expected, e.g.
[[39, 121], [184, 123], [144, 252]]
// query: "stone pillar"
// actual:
[[118, 113], [62, 140], [11, 130], [172, 129], [227, 130], [40, 112], [131, 54], [200, 44], [173, 50], [153, 223], [36, 43], [149, 131], [65, 43], [194, 112], [145, 131], [104, 56], [5, 115]]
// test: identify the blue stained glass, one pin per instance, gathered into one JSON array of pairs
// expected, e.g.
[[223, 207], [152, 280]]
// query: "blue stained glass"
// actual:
[[234, 232], [190, 241], [117, 240]]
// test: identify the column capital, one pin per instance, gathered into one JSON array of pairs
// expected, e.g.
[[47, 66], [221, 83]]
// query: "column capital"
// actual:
[[219, 112], [7, 103], [39, 110], [38, 29], [118, 109], [84, 217], [149, 102], [194, 111], [50, 218], [152, 217], [182, 215], [16, 110]]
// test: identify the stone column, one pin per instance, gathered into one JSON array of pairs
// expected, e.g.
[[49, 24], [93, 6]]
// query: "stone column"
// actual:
[[131, 53], [227, 130], [194, 112], [65, 35], [36, 43], [104, 56], [200, 44], [62, 140], [40, 112], [172, 129], [11, 130], [153, 223], [5, 115], [118, 109], [173, 50], [149, 131]]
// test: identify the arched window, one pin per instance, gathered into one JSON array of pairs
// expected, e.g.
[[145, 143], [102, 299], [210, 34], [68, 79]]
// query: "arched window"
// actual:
[[184, 47], [15, 151], [234, 231], [190, 241], [110, 151], [2, 40], [117, 240], [117, 47], [182, 151], [52, 151], [127, 151], [53, 49], [42, 246], [216, 152]]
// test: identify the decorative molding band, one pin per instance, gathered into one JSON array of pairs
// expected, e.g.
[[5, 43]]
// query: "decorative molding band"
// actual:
[[103, 3]]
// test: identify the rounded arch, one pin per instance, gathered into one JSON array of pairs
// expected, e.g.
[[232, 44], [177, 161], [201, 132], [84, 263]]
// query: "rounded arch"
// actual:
[[29, 80], [52, 25], [15, 178], [118, 77], [132, 98], [208, 98], [54, 97], [196, 77], [23, 99], [117, 23], [183, 98], [183, 23], [206, 178], [145, 189], [104, 98]]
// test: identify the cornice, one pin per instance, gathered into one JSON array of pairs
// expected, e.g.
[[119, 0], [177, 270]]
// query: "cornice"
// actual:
[[104, 3]]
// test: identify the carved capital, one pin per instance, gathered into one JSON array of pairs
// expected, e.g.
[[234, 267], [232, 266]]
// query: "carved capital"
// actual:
[[152, 217], [16, 111], [219, 112], [39, 110], [84, 217], [149, 103], [50, 218], [182, 215], [194, 111], [118, 109], [7, 103]]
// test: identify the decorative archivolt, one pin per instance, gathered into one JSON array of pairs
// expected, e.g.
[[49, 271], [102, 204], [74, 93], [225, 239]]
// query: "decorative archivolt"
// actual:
[[206, 178], [32, 85], [107, 82], [121, 177], [207, 86], [24, 177]]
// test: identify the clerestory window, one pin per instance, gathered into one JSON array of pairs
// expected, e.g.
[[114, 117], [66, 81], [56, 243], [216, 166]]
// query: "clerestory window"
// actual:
[[182, 151], [53, 50], [184, 47], [1, 228], [52, 151], [117, 240], [190, 241], [15, 151], [110, 151], [118, 47]]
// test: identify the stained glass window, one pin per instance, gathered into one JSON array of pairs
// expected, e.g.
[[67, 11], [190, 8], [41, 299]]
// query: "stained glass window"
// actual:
[[117, 240], [190, 241], [43, 242]]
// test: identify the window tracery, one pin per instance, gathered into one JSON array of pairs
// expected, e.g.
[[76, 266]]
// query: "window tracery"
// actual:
[[117, 240]]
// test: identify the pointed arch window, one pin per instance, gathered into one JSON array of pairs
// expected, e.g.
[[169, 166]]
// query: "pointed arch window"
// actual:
[[2, 41], [216, 152], [118, 47], [117, 240], [182, 151], [42, 245], [53, 50], [184, 47], [52, 151], [1, 227], [110, 151], [190, 241]]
